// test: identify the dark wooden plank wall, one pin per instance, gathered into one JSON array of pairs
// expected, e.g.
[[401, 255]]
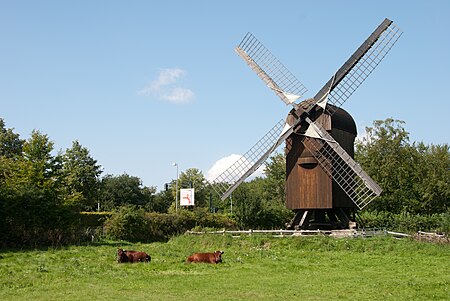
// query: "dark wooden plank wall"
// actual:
[[307, 185]]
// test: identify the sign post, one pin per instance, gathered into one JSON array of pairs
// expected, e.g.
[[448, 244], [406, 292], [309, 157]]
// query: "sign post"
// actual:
[[187, 197]]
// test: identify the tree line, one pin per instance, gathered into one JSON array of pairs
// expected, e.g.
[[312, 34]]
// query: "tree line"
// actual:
[[40, 187], [415, 177]]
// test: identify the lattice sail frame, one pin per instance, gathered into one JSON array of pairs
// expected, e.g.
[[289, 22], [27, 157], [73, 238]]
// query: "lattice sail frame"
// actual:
[[276, 76], [338, 164], [227, 181], [359, 66]]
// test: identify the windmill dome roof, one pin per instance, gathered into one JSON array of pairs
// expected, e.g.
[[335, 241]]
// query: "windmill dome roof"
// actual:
[[344, 121]]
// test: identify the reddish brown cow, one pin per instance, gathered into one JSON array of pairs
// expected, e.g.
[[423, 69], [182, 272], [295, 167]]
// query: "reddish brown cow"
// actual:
[[132, 256], [215, 257]]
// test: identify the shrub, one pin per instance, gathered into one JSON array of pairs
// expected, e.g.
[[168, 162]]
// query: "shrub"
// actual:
[[93, 219], [32, 217], [132, 224], [126, 223], [443, 221], [406, 222], [162, 226]]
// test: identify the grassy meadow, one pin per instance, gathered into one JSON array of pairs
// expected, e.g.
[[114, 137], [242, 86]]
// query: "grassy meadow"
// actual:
[[253, 268]]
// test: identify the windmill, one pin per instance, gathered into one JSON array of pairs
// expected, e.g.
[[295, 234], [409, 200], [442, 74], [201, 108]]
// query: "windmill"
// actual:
[[324, 185]]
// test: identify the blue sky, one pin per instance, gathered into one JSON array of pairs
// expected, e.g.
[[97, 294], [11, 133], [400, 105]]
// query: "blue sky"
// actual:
[[143, 84]]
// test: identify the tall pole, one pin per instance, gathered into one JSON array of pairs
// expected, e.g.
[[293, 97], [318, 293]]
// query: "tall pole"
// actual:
[[231, 207], [176, 189]]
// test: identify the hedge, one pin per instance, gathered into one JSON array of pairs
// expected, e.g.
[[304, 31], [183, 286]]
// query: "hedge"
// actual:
[[93, 219], [406, 222], [132, 224]]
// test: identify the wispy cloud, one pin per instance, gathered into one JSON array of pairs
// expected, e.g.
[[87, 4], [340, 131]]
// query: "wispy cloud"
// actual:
[[179, 95], [167, 87]]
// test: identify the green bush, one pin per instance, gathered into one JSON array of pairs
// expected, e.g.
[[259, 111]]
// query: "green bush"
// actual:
[[132, 224], [162, 226], [32, 217], [444, 223], [93, 219], [406, 222], [126, 223]]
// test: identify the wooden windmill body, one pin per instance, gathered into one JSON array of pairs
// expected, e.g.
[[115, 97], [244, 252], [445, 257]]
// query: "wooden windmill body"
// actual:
[[310, 192], [324, 185]]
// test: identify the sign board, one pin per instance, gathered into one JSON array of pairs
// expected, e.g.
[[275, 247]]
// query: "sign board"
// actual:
[[187, 197]]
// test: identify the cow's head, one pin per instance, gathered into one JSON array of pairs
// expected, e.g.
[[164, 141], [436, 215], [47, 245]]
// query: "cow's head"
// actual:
[[218, 256], [121, 255]]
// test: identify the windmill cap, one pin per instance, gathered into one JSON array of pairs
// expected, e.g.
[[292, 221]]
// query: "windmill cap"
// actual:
[[342, 120]]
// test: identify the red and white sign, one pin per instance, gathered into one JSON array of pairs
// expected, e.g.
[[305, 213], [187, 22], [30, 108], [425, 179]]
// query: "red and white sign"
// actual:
[[187, 197]]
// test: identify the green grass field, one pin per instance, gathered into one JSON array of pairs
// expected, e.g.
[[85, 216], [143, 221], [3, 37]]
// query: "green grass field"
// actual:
[[253, 268]]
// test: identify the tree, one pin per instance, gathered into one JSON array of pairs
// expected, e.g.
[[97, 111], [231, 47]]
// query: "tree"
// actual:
[[39, 166], [253, 210], [260, 203], [386, 155], [122, 190], [414, 178], [161, 202], [247, 203], [31, 209], [433, 178], [7, 152], [194, 178], [81, 175], [10, 143], [275, 172]]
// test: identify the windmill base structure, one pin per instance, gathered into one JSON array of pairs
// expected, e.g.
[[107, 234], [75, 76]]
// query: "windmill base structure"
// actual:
[[317, 200]]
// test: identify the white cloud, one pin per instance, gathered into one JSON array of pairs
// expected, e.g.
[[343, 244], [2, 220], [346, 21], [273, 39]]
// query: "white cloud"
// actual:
[[179, 95], [223, 164], [220, 166], [167, 87], [168, 76], [362, 135]]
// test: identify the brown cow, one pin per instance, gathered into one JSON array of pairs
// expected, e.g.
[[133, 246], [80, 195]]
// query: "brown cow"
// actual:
[[132, 256], [215, 257]]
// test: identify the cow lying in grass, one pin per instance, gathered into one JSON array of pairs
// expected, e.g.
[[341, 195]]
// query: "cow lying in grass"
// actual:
[[215, 257], [132, 256]]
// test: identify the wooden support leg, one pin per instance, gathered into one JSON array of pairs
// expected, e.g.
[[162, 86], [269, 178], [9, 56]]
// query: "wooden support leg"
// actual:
[[305, 214]]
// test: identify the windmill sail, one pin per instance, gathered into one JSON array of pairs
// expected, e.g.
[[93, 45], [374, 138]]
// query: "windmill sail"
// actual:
[[246, 165], [359, 66], [270, 69], [335, 161]]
